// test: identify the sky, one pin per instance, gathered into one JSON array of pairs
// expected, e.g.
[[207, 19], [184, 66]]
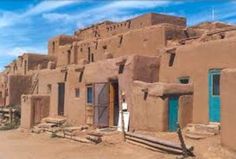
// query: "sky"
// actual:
[[26, 25]]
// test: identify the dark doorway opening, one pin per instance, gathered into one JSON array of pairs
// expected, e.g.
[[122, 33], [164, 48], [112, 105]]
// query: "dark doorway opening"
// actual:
[[114, 103], [61, 98]]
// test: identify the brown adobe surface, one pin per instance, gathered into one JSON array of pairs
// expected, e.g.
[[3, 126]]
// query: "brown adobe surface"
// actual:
[[17, 145]]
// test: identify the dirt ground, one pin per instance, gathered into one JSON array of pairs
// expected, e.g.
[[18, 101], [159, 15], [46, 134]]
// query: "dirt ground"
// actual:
[[17, 145]]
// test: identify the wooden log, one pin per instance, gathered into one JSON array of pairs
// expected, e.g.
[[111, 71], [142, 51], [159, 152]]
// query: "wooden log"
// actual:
[[155, 146], [156, 140], [95, 134], [94, 139]]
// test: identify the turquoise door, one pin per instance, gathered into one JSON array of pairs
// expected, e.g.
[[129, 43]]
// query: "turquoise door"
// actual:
[[173, 113], [214, 95]]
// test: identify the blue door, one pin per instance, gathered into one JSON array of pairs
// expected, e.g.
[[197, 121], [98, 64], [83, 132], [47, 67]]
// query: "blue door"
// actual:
[[214, 95], [173, 112]]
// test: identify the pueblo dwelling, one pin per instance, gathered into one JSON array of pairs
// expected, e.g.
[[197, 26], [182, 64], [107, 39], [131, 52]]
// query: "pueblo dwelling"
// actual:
[[167, 71]]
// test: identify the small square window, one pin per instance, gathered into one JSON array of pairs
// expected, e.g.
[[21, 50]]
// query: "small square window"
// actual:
[[104, 47], [184, 80], [77, 92]]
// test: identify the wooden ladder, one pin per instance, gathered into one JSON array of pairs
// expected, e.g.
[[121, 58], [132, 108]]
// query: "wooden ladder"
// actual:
[[35, 84]]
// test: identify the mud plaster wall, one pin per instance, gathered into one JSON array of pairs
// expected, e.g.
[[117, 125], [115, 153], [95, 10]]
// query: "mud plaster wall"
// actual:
[[148, 114], [17, 85], [185, 110], [142, 41], [195, 60], [51, 78], [228, 110], [33, 109], [101, 71], [108, 28]]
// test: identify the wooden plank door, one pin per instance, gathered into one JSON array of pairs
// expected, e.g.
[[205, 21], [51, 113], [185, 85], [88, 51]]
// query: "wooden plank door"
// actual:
[[101, 103]]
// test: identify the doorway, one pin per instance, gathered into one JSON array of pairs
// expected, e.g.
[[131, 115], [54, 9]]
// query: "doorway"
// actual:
[[173, 107], [114, 103], [101, 103], [214, 95], [61, 98]]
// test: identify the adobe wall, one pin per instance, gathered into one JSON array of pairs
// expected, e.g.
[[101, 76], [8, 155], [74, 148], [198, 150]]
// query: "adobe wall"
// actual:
[[36, 61], [148, 113], [48, 84], [141, 42], [185, 110], [33, 109], [108, 29], [195, 60], [75, 107], [17, 85], [228, 118], [55, 42], [2, 90], [150, 105], [161, 18]]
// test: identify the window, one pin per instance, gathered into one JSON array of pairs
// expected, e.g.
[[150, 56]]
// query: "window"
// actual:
[[92, 57], [216, 85], [89, 95], [65, 77], [104, 47], [53, 46], [77, 92], [172, 59], [121, 68], [81, 76], [68, 56], [184, 80], [89, 54], [49, 88], [121, 40]]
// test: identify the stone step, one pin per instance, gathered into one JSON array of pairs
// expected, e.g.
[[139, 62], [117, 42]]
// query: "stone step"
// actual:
[[210, 128], [195, 136], [55, 120]]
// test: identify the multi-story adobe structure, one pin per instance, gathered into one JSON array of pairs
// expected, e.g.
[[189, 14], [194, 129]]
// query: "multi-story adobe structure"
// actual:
[[169, 73]]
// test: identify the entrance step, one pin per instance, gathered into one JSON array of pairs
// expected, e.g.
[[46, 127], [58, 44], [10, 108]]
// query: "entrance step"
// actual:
[[55, 120], [201, 131]]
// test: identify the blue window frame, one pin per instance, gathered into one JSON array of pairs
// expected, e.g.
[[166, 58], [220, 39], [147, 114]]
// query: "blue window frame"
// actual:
[[89, 95]]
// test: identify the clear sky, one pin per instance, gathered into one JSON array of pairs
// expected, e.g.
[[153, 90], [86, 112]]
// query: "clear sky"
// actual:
[[26, 25]]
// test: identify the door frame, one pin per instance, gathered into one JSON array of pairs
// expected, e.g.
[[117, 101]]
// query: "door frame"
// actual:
[[170, 115], [58, 100], [211, 97]]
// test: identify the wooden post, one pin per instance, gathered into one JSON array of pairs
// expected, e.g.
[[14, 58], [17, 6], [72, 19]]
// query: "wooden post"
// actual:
[[10, 115], [122, 115], [186, 152]]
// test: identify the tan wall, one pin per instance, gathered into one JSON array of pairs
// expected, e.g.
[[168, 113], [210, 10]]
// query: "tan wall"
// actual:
[[228, 109], [17, 85], [33, 109], [146, 41], [51, 77], [101, 71], [185, 110], [195, 60], [150, 114]]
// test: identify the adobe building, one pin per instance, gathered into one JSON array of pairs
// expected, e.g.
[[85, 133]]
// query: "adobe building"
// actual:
[[169, 73]]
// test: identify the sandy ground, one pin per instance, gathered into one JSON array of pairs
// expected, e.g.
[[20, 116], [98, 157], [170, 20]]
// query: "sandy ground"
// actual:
[[17, 145]]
